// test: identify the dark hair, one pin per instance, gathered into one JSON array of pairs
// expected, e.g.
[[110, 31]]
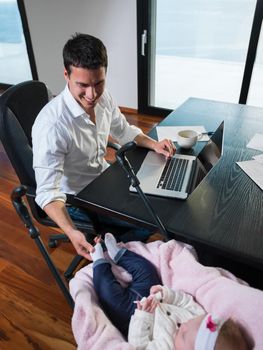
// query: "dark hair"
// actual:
[[84, 51], [232, 336]]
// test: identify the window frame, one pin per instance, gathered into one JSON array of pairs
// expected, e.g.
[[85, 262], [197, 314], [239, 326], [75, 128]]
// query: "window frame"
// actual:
[[144, 9], [29, 47], [252, 51]]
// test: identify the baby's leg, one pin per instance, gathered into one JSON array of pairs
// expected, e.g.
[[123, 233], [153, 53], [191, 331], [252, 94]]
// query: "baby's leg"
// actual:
[[144, 273], [116, 301]]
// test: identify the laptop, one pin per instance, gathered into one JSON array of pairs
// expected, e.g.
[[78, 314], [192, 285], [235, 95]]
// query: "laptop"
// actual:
[[178, 176]]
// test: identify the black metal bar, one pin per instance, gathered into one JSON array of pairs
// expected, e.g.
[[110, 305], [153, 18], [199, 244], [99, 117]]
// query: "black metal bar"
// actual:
[[144, 11], [72, 266], [30, 51], [252, 52], [33, 231], [142, 74], [156, 218], [54, 271], [126, 166]]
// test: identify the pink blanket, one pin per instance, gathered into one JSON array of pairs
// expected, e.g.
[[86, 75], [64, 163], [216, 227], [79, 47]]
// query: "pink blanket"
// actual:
[[217, 290]]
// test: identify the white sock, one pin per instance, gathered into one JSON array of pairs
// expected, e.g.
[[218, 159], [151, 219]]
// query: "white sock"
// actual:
[[111, 245], [98, 252]]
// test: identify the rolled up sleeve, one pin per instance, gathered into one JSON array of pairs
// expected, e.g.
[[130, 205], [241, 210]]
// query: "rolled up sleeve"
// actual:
[[48, 163], [120, 129]]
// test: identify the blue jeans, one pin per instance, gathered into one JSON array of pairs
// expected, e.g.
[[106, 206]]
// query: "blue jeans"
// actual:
[[123, 230], [118, 302]]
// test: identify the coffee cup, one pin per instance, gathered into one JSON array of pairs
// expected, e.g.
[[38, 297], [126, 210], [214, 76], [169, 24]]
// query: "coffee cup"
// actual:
[[188, 138]]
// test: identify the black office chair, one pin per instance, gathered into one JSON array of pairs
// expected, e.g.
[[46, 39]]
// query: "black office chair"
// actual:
[[19, 106]]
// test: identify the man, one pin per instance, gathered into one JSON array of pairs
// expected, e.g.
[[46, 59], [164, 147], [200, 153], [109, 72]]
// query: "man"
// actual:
[[71, 132]]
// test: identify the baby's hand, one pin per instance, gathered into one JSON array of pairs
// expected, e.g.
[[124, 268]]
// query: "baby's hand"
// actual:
[[148, 304], [98, 239], [156, 289]]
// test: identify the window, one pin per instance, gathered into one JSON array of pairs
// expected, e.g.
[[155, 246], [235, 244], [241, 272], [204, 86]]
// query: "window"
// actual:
[[16, 55], [196, 48]]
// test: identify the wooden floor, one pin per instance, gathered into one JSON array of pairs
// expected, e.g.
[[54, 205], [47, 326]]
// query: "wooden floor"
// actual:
[[33, 312]]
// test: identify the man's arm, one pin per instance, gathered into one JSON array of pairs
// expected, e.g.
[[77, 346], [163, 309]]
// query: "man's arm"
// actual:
[[165, 147], [123, 132], [50, 145], [57, 211]]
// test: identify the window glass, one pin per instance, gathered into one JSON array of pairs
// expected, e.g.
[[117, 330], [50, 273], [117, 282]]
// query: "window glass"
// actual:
[[199, 50], [14, 62]]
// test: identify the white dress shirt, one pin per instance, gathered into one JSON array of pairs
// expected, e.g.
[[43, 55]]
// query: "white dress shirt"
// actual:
[[69, 149]]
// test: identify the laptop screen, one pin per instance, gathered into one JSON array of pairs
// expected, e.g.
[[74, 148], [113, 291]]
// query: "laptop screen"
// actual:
[[208, 157], [212, 151]]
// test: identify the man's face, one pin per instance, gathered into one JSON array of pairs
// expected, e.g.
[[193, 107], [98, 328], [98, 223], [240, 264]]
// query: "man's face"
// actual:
[[185, 337], [86, 85]]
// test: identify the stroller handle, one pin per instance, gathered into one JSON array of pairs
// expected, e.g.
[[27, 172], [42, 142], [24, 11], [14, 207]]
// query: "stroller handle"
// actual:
[[18, 193], [125, 164], [20, 206], [125, 148]]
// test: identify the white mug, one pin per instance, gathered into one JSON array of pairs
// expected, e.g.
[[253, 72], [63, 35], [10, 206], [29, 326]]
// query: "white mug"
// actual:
[[188, 138]]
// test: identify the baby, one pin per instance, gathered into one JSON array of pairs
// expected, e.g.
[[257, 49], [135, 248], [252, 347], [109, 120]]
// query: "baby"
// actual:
[[154, 316], [156, 331]]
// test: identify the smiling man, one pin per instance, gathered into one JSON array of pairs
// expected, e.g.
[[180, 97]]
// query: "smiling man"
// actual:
[[70, 137]]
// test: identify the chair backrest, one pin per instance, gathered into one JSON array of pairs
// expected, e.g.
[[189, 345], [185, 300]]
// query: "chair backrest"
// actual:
[[19, 107]]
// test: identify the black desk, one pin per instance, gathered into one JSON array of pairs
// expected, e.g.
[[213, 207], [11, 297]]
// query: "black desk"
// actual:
[[224, 215]]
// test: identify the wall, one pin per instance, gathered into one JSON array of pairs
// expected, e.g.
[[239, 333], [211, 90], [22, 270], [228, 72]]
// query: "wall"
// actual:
[[52, 22]]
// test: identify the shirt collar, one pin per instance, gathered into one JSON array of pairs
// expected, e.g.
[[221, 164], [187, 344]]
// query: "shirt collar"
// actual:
[[72, 104], [75, 109]]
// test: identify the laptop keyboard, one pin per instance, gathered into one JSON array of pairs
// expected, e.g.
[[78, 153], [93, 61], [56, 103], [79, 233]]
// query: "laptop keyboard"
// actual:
[[172, 177]]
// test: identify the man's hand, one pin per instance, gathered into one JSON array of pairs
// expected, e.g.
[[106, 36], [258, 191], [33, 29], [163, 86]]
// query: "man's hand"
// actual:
[[79, 242], [56, 210], [165, 147]]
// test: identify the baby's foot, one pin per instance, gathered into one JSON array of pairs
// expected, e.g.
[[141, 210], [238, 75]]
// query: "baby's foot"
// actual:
[[98, 252], [111, 245]]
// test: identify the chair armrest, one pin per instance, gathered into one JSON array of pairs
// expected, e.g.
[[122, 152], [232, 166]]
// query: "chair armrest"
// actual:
[[40, 216], [113, 145]]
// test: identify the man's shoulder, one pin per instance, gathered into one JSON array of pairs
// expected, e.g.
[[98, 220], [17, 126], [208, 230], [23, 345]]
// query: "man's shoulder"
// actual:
[[52, 111], [106, 100]]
